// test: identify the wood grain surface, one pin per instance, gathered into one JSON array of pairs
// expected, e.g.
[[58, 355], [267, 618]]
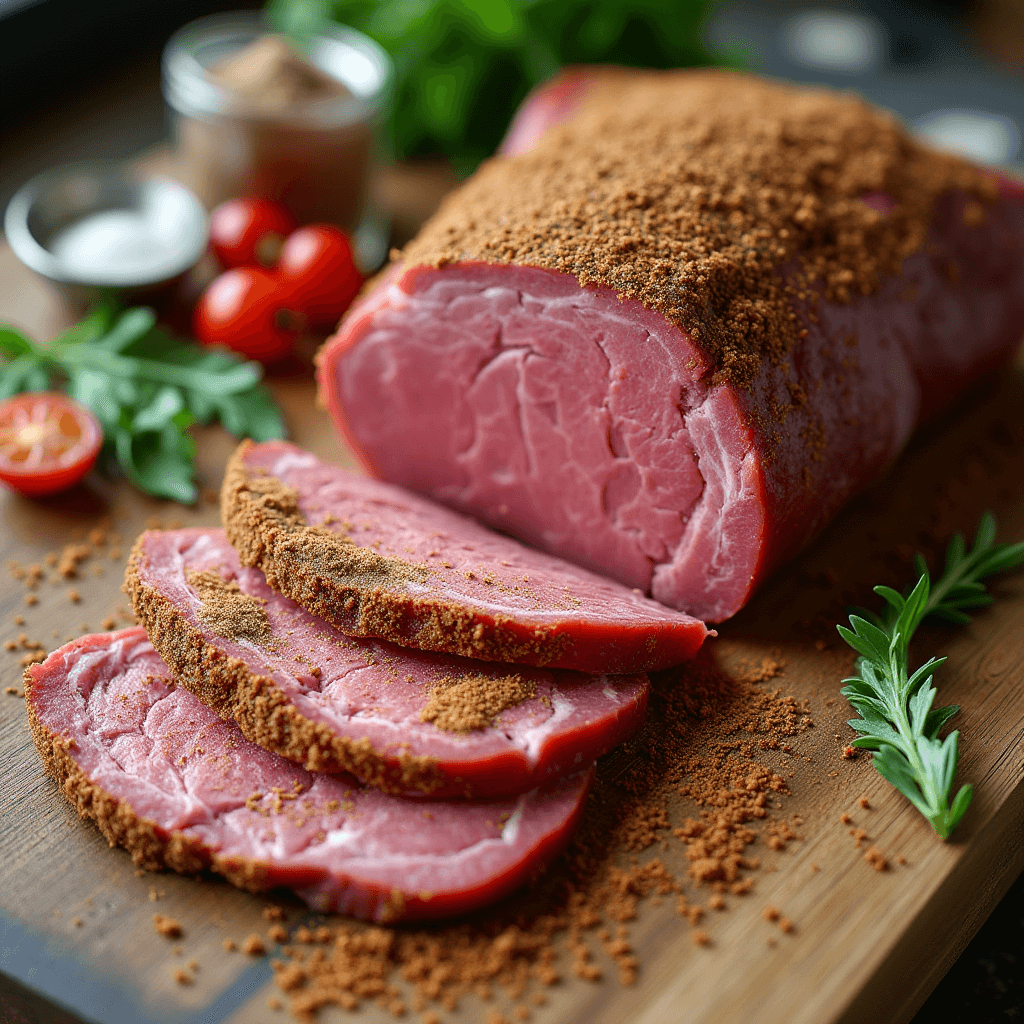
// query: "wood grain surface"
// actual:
[[75, 916]]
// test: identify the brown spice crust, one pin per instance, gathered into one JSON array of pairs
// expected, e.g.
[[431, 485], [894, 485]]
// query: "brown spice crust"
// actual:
[[150, 846], [356, 589], [688, 190], [260, 708]]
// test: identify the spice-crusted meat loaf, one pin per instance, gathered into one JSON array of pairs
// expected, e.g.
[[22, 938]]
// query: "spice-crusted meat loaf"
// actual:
[[376, 560], [163, 776], [670, 340], [411, 722]]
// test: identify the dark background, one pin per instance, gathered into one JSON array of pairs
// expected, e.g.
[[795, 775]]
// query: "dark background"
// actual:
[[81, 79]]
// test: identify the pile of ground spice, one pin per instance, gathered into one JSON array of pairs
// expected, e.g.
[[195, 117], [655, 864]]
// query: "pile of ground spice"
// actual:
[[228, 611], [473, 701], [691, 776], [687, 190]]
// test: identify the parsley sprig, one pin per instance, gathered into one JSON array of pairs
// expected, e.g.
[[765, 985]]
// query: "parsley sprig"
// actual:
[[897, 719], [146, 388]]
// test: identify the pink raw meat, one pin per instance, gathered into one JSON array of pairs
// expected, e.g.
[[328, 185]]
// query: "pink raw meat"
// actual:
[[461, 588], [167, 779], [334, 702], [586, 424]]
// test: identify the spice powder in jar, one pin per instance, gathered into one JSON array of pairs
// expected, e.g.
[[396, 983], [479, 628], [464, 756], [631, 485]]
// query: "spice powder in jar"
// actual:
[[255, 117]]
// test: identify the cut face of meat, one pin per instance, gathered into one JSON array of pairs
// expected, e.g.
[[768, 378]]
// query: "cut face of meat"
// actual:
[[587, 425], [164, 777], [410, 722], [376, 560]]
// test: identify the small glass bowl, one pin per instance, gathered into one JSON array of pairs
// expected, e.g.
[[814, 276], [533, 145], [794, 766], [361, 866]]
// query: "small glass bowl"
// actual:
[[99, 225]]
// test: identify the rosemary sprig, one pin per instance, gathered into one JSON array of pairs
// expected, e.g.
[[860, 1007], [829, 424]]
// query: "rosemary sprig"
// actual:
[[897, 719]]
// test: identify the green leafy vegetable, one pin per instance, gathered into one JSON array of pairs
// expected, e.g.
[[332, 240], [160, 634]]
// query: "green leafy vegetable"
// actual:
[[897, 719], [146, 388], [463, 66]]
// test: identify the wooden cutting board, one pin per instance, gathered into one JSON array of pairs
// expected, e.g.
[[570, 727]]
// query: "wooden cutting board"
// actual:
[[75, 917]]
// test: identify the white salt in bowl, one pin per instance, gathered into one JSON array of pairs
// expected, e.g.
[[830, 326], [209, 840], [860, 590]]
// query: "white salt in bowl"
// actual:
[[97, 225]]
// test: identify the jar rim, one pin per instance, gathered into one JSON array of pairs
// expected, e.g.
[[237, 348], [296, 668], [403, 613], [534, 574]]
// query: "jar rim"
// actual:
[[347, 55]]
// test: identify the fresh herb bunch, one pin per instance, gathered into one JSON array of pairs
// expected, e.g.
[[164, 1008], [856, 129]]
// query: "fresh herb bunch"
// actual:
[[146, 388], [463, 66], [897, 719]]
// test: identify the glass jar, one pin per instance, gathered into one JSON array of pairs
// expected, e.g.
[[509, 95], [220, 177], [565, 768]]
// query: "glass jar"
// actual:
[[316, 156]]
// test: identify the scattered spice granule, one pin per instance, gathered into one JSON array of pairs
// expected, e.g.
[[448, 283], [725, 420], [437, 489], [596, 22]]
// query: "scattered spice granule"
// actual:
[[876, 858], [76, 922], [73, 596], [849, 753], [71, 557], [845, 819], [167, 926], [13, 691], [785, 925], [229, 945], [109, 622], [153, 894], [273, 913], [862, 802], [277, 933], [193, 965], [19, 620], [182, 977], [700, 938], [815, 868], [31, 598], [770, 913], [273, 1003], [253, 945], [10, 645], [859, 836], [289, 977], [900, 859], [716, 903]]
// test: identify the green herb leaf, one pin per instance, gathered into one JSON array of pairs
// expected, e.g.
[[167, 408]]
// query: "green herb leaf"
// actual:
[[13, 343], [897, 720], [146, 388]]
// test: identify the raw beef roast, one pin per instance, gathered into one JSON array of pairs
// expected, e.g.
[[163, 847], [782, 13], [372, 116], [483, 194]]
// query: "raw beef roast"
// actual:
[[410, 722], [669, 338], [177, 787], [376, 560]]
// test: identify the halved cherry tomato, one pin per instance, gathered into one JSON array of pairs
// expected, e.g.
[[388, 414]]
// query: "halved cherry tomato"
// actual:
[[250, 311], [48, 442], [249, 232], [318, 261]]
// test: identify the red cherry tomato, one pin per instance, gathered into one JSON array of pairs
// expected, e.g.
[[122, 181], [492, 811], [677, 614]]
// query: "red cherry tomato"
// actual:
[[249, 232], [318, 261], [48, 442], [250, 311]]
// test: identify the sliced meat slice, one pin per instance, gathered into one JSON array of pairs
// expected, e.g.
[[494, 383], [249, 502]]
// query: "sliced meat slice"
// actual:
[[376, 560], [407, 721], [167, 779]]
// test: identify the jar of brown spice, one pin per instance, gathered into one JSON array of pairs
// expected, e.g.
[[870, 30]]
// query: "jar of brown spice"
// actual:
[[254, 116]]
